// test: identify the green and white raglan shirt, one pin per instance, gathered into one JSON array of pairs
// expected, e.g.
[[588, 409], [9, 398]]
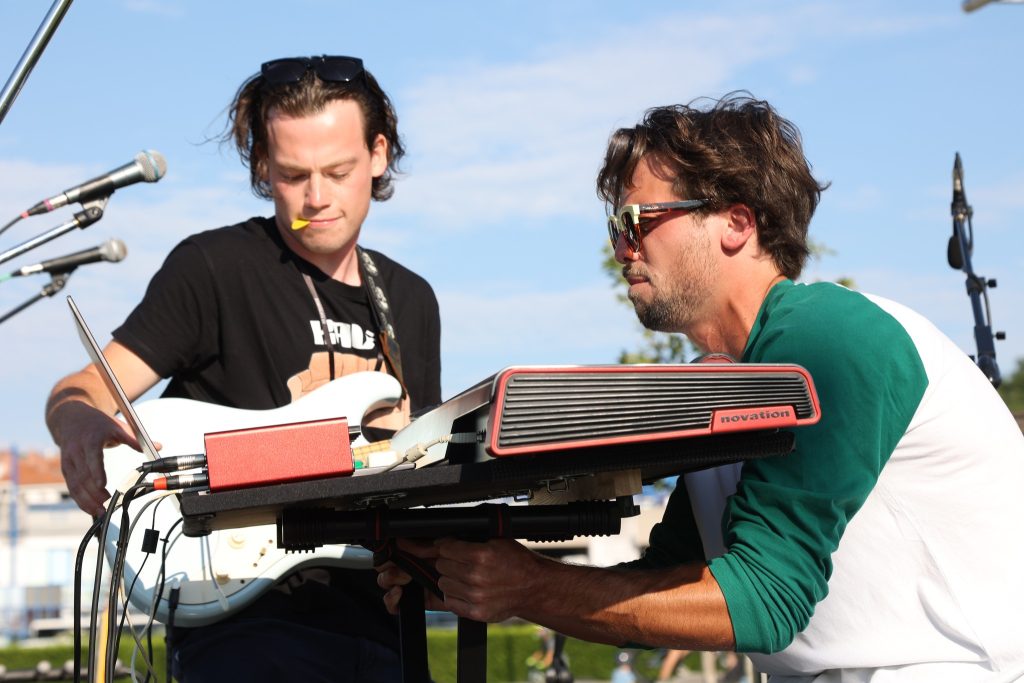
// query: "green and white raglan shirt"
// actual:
[[888, 545]]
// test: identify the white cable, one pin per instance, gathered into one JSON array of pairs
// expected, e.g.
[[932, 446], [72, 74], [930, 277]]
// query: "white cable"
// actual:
[[417, 451], [222, 599]]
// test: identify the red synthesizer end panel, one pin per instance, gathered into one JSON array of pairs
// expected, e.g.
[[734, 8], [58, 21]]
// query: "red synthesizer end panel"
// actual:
[[537, 408]]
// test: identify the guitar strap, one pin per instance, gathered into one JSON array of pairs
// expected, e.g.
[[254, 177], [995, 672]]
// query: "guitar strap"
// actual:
[[323, 323], [389, 350], [382, 311]]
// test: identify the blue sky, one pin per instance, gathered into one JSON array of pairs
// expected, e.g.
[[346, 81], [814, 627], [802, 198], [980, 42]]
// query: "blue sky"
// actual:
[[505, 108]]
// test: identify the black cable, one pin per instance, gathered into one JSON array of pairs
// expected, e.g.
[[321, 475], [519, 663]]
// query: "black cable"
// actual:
[[116, 567], [147, 648], [159, 582], [127, 598], [16, 219], [98, 578], [163, 560], [79, 561], [169, 627], [160, 585], [172, 606], [116, 572]]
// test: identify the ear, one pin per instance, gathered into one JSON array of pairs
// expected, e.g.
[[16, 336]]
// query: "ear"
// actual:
[[379, 156], [258, 161], [741, 227]]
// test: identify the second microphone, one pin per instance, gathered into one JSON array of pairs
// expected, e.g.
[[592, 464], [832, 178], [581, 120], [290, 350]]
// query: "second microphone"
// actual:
[[111, 250]]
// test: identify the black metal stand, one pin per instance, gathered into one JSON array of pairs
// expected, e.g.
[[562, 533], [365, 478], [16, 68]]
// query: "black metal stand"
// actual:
[[958, 253], [412, 632], [91, 212], [303, 529], [472, 651], [56, 284]]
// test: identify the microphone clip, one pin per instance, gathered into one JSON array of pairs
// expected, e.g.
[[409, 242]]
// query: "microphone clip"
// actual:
[[91, 212]]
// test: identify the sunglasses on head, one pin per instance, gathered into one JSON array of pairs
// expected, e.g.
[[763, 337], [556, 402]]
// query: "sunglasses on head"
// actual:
[[327, 68], [628, 220]]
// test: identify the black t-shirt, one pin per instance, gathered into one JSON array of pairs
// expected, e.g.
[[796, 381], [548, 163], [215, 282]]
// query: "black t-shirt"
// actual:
[[230, 320]]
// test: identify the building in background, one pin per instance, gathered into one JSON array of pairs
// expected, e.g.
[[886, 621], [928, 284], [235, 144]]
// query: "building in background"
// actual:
[[40, 531]]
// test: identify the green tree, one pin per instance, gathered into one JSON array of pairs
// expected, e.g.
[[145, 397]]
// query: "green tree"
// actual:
[[1012, 389]]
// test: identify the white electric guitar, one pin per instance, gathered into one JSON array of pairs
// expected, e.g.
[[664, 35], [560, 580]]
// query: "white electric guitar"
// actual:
[[227, 570]]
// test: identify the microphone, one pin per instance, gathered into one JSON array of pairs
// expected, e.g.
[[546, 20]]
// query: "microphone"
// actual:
[[959, 200], [111, 250], [958, 207], [149, 166]]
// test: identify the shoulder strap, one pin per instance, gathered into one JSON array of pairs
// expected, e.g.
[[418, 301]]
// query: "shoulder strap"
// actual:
[[323, 322], [382, 311]]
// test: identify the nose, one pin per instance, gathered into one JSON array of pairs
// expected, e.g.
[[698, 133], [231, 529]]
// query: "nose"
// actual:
[[624, 252], [316, 193]]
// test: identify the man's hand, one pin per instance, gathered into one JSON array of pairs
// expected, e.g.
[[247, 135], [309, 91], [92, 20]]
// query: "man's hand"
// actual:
[[393, 578], [487, 582], [79, 414], [679, 607], [84, 432]]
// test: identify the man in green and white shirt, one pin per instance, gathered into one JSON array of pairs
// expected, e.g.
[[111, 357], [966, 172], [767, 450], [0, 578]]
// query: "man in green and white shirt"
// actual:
[[886, 547]]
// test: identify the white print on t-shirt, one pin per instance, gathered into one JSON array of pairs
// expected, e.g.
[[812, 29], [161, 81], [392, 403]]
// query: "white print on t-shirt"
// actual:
[[343, 335]]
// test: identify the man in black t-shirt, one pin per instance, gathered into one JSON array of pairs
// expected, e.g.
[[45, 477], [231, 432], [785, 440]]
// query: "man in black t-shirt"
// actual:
[[257, 314]]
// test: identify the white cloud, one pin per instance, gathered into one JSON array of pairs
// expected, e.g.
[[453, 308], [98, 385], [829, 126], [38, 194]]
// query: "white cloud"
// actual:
[[491, 141], [494, 141]]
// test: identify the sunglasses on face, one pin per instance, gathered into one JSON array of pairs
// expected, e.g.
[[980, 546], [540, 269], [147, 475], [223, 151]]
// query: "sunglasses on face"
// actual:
[[629, 220], [328, 69]]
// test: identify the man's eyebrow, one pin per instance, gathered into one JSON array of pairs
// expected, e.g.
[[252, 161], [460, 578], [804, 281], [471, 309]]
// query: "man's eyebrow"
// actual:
[[289, 166]]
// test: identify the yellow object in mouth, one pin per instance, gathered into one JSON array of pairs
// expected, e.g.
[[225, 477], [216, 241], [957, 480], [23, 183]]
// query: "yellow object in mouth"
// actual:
[[299, 223]]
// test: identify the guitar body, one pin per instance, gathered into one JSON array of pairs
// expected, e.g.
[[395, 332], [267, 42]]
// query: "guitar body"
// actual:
[[227, 570]]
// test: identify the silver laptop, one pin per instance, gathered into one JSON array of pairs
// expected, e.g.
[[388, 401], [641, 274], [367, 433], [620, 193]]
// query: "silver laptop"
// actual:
[[113, 386]]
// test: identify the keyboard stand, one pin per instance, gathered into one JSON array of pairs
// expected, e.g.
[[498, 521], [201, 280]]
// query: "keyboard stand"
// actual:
[[301, 529]]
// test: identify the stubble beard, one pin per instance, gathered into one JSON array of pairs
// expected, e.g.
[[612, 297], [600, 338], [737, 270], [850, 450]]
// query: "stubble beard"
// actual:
[[662, 313], [678, 296]]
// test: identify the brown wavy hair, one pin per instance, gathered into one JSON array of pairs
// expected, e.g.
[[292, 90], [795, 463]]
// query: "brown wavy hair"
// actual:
[[735, 150], [247, 121]]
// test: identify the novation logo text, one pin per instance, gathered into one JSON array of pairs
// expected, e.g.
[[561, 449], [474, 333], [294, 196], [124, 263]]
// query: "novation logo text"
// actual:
[[767, 417]]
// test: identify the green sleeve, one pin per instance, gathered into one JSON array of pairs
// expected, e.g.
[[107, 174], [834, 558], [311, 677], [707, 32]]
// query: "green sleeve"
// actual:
[[789, 512], [675, 539]]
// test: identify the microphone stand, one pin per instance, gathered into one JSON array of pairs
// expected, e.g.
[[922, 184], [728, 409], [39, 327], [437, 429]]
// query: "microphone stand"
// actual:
[[91, 212], [961, 244], [32, 54], [57, 282]]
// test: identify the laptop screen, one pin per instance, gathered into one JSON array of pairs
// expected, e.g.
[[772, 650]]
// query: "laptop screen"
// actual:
[[113, 386]]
